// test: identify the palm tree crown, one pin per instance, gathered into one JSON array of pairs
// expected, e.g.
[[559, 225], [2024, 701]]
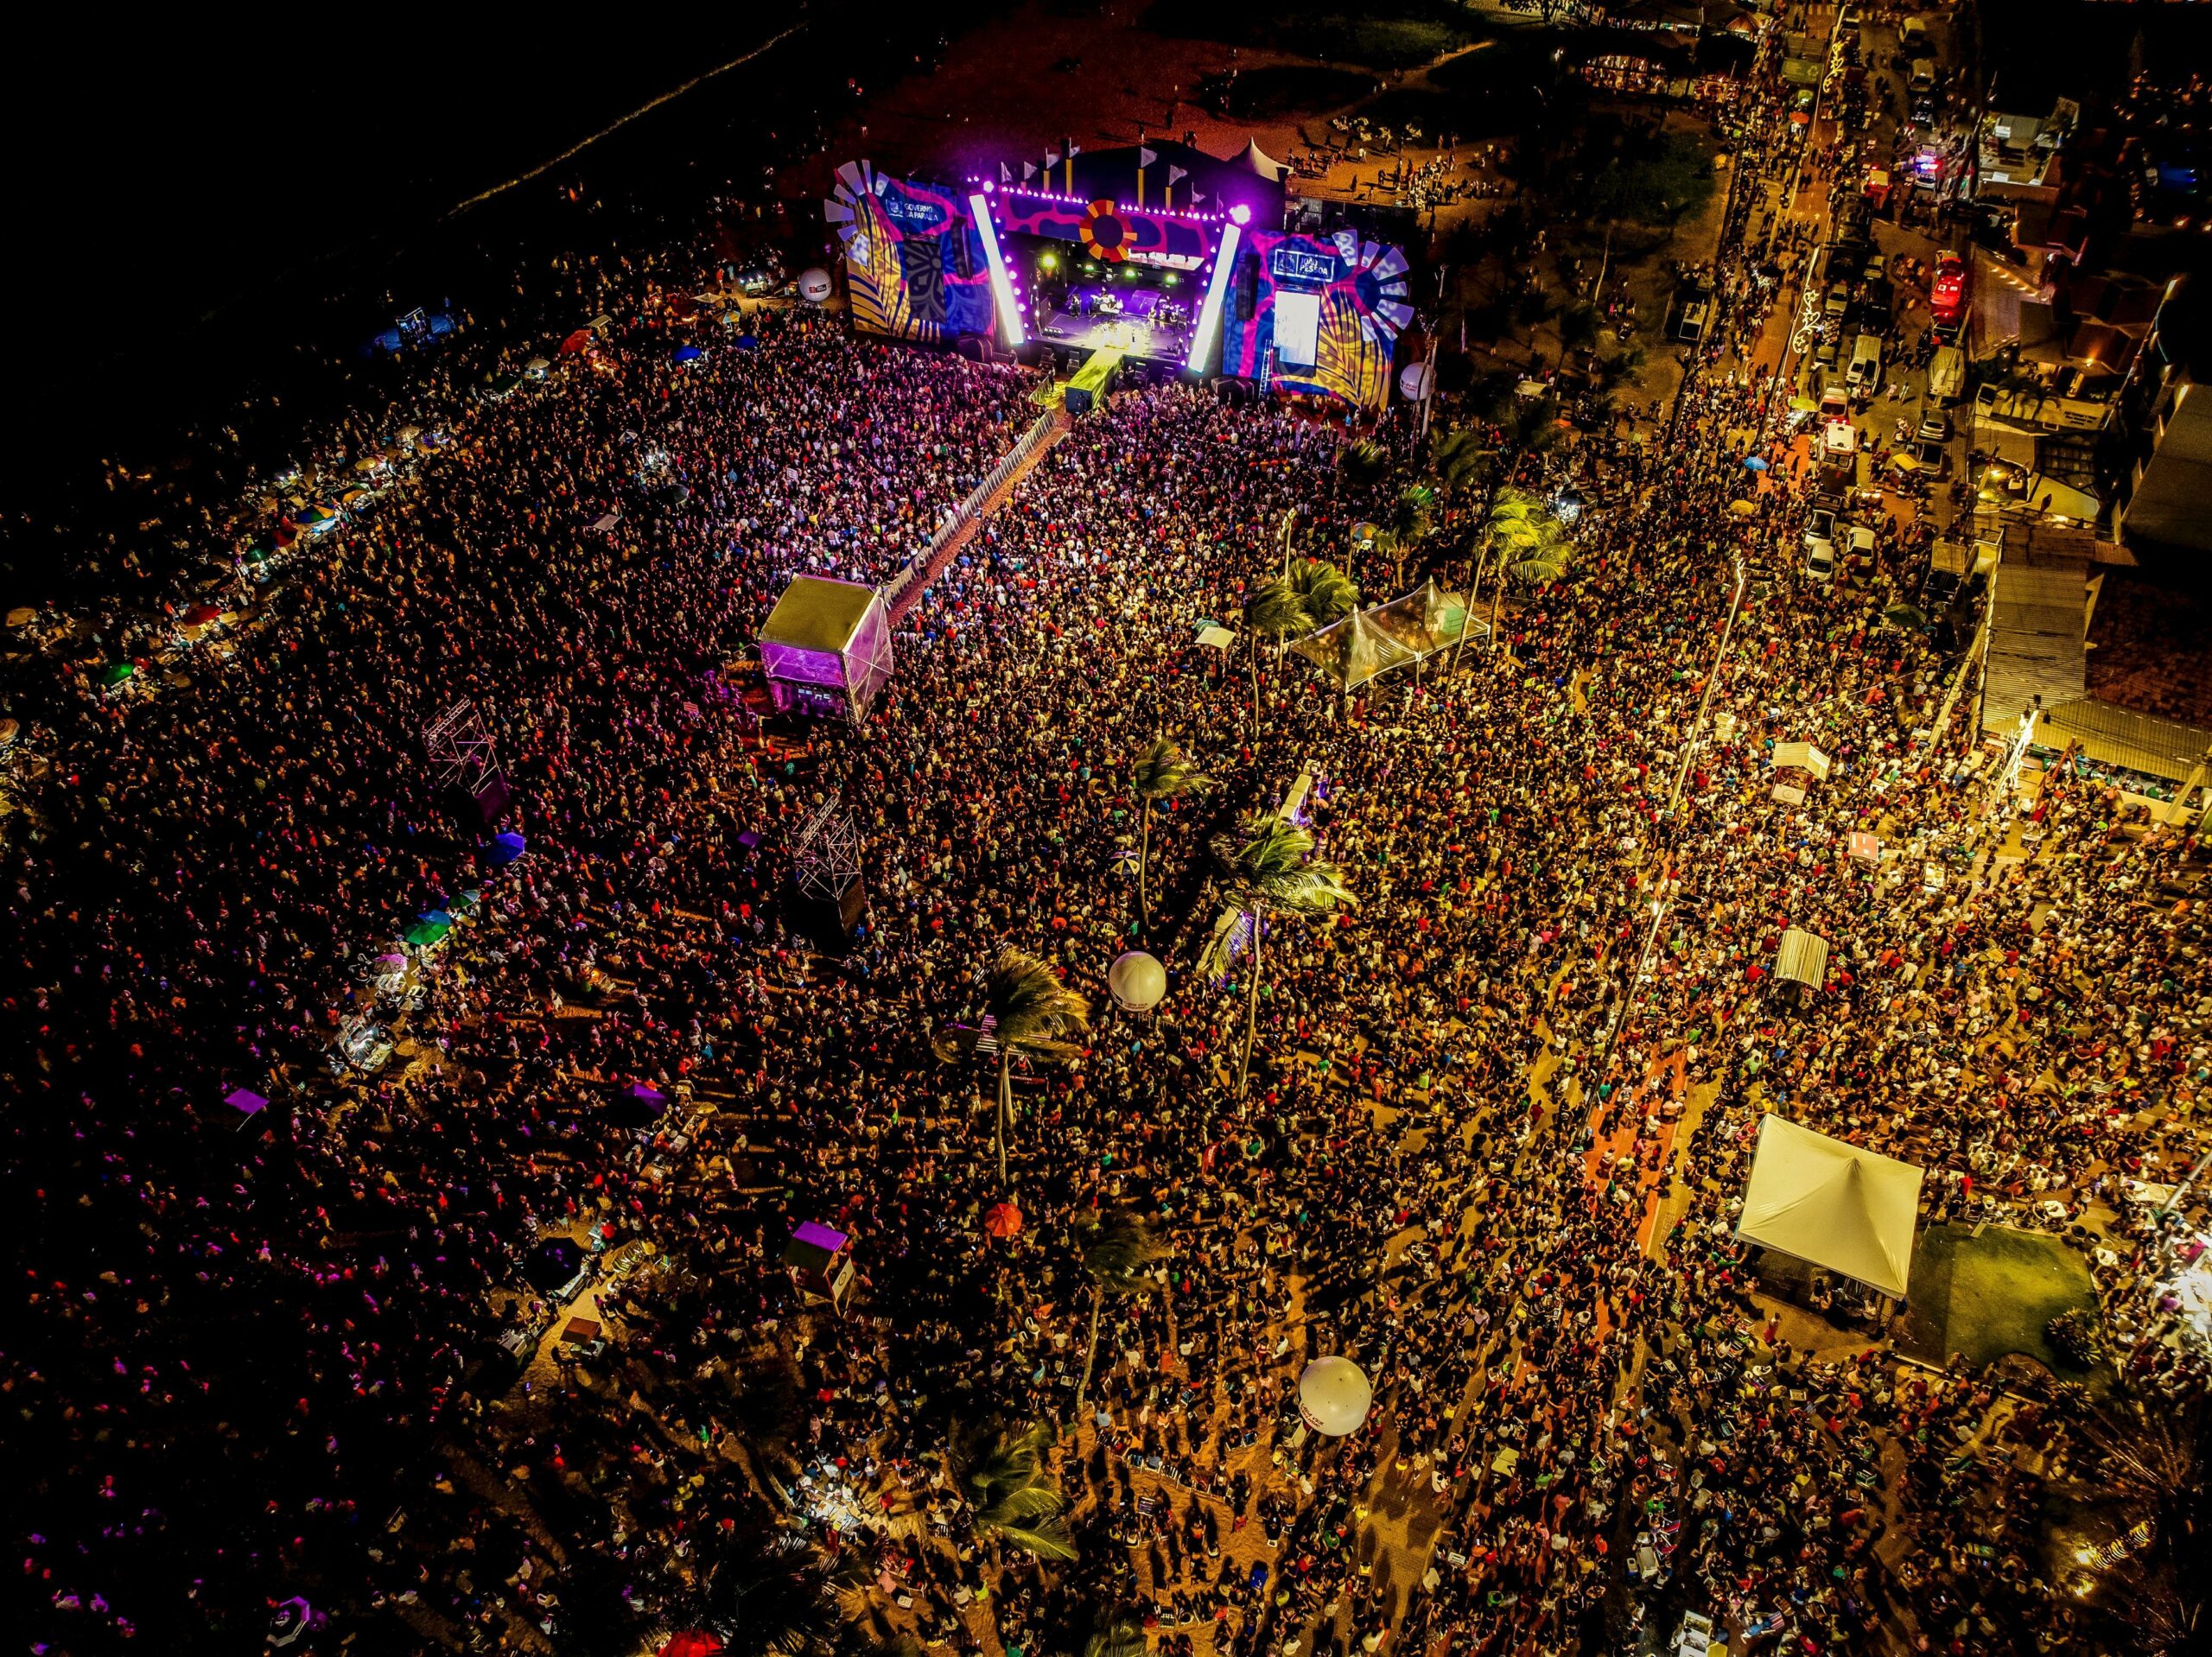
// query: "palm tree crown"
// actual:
[[1275, 610], [1269, 865], [1010, 1494], [1324, 591]]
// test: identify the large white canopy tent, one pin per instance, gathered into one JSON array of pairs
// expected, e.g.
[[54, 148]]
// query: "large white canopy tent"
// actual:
[[1831, 1204]]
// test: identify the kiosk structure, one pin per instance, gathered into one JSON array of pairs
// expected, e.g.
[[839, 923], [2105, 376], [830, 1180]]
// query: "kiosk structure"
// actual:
[[826, 648]]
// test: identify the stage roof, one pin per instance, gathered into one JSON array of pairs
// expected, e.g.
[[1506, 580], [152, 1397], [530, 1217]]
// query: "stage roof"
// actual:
[[818, 614]]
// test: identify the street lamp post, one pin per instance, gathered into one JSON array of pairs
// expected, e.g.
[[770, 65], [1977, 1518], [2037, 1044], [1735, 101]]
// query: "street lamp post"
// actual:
[[1712, 679], [1659, 906]]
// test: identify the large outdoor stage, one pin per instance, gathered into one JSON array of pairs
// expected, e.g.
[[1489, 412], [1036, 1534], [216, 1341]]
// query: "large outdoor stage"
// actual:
[[1143, 322], [1193, 274]]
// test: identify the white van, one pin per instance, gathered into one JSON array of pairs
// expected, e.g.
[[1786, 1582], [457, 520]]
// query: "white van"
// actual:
[[1866, 372], [1947, 374]]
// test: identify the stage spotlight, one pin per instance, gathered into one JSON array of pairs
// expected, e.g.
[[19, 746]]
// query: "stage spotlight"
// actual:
[[1240, 214]]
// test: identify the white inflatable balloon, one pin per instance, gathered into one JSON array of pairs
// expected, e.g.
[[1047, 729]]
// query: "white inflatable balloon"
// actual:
[[1416, 381], [1136, 981], [814, 284], [1333, 1396]]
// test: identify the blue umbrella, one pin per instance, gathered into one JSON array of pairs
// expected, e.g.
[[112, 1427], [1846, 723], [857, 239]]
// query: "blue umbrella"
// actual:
[[504, 850], [686, 354], [746, 342], [1753, 463]]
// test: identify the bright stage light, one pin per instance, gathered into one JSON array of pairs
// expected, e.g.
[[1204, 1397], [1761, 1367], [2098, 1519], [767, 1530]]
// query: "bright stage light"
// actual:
[[1001, 286], [1224, 260], [1240, 214]]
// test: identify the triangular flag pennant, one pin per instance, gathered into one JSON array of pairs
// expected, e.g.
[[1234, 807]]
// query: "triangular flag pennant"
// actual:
[[1175, 172], [1052, 158], [1197, 196], [1006, 174], [1146, 157], [1028, 171], [1075, 149]]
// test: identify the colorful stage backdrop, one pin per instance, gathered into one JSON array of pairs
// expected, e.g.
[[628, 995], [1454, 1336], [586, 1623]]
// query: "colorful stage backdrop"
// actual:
[[913, 258], [1316, 315], [1107, 231]]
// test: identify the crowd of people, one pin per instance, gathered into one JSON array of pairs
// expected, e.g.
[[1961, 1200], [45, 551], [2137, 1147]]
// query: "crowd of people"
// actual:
[[303, 1361]]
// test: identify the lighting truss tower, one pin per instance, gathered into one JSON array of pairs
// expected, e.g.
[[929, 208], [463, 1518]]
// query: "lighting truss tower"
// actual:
[[826, 852], [459, 744]]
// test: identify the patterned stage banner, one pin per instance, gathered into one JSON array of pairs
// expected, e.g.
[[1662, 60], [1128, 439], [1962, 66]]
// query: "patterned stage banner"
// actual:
[[914, 262], [1105, 229], [1361, 291]]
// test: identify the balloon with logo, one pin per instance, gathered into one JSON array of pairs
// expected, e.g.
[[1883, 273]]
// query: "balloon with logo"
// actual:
[[1333, 1396], [814, 284]]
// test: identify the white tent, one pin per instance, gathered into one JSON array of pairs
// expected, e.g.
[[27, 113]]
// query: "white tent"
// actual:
[[1257, 161], [1802, 958], [1803, 756], [1832, 1203]]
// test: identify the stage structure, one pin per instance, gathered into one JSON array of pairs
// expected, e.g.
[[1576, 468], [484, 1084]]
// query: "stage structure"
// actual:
[[1369, 643], [1316, 315], [826, 869], [914, 262], [826, 648], [474, 789], [1175, 259]]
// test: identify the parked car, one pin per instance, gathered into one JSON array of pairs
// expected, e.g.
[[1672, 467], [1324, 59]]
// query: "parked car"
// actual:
[[1934, 427], [1865, 372], [1819, 528]]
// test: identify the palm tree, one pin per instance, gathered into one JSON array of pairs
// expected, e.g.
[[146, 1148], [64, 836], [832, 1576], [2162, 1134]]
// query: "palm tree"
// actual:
[[1119, 1633], [1360, 465], [1521, 532], [1461, 460], [767, 1593], [1273, 612], [1161, 773], [1326, 592], [1010, 1496], [1028, 1011], [1117, 1250], [1408, 526], [1270, 868]]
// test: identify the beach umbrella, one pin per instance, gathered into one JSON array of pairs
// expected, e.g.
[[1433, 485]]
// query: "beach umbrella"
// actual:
[[427, 930], [392, 961], [746, 342], [1754, 463], [1136, 981], [1333, 1396], [245, 1102], [580, 340], [504, 850], [116, 672], [1003, 1220], [686, 354], [21, 616], [1802, 404], [692, 1643], [1743, 508], [552, 1263], [200, 614], [645, 1094]]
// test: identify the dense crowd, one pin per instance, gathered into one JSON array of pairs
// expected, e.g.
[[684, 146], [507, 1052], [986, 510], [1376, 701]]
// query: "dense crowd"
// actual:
[[309, 1353]]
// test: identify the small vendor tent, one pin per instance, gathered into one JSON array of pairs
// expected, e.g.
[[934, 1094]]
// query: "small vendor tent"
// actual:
[[1803, 959], [1367, 643], [826, 648], [1801, 756], [1833, 1204]]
